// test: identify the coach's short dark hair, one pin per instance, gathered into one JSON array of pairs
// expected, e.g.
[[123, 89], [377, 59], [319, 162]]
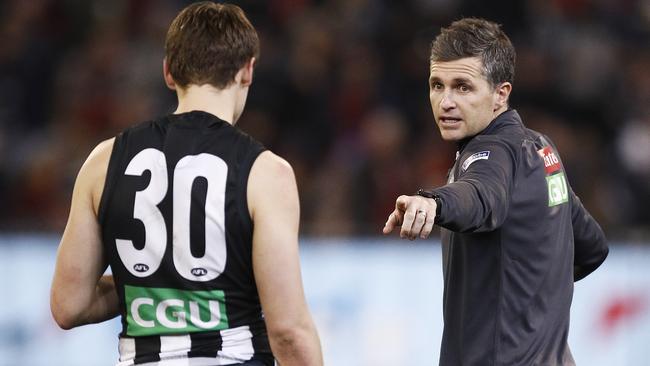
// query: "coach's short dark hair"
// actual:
[[208, 43], [474, 37]]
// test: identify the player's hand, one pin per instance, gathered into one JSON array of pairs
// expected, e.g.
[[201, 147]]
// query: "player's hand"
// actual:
[[415, 215]]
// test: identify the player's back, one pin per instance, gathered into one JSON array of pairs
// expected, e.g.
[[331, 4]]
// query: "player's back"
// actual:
[[178, 236]]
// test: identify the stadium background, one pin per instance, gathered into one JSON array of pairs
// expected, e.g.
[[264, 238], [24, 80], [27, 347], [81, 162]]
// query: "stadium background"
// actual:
[[341, 92]]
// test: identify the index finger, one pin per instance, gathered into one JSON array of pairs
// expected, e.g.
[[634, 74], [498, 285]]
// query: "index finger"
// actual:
[[392, 222]]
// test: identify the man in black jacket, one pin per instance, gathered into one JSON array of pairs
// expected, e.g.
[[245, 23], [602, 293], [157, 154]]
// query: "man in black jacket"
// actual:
[[514, 235]]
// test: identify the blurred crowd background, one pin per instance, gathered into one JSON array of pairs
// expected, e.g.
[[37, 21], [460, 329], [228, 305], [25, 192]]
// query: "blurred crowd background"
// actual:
[[340, 91]]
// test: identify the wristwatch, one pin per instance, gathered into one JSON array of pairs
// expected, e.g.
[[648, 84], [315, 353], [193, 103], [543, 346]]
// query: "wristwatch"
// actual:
[[435, 197]]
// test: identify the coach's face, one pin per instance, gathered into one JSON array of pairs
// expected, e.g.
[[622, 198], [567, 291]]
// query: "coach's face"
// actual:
[[463, 101]]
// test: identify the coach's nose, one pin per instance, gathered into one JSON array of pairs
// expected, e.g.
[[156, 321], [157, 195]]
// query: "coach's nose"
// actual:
[[447, 102]]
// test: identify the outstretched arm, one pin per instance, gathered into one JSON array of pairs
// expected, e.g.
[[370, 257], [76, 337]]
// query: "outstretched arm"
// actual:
[[476, 202], [80, 294], [275, 209]]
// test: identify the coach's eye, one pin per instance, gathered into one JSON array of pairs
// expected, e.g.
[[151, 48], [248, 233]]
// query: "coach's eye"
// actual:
[[436, 86], [464, 88]]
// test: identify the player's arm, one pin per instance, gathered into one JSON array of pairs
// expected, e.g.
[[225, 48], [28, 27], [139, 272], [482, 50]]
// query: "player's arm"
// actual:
[[80, 294], [275, 209], [589, 240]]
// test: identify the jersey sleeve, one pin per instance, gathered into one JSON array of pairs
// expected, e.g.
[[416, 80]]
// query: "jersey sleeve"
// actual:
[[478, 199], [589, 240]]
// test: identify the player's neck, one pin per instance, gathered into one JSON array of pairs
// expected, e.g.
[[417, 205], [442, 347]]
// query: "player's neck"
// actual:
[[219, 102]]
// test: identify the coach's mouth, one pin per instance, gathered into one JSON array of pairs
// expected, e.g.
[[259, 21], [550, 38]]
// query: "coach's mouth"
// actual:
[[449, 121]]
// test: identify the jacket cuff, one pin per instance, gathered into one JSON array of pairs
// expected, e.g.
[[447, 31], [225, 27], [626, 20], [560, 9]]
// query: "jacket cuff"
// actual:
[[435, 197]]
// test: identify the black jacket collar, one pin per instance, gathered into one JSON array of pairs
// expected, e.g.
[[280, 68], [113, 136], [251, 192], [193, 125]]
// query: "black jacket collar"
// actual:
[[509, 118]]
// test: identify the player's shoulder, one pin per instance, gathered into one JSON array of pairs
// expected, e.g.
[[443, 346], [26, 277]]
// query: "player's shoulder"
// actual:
[[103, 148], [95, 166], [272, 165], [271, 182], [244, 140], [99, 156], [92, 175], [144, 128]]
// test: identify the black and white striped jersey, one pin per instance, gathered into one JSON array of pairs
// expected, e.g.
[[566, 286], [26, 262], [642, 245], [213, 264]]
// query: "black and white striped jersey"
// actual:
[[178, 236]]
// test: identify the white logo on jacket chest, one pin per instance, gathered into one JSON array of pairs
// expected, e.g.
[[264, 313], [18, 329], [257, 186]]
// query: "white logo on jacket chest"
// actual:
[[481, 155]]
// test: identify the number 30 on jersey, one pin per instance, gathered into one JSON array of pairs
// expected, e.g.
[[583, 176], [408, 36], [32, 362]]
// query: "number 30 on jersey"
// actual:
[[144, 262]]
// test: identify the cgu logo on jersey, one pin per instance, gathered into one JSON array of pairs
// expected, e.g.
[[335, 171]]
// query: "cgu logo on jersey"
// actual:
[[156, 311], [558, 191]]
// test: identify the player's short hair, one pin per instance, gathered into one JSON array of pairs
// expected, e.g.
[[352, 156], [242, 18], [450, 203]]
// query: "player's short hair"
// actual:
[[208, 43], [475, 37]]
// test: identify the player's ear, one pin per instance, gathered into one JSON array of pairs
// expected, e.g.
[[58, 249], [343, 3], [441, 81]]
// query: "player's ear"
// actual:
[[501, 95], [246, 72], [169, 80]]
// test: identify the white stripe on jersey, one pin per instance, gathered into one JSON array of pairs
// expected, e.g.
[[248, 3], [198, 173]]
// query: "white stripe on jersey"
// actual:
[[173, 349], [237, 346], [172, 362], [126, 347], [197, 361]]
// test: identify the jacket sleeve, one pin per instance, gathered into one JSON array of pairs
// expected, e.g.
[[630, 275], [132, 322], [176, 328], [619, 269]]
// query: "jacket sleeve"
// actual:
[[590, 244], [478, 200]]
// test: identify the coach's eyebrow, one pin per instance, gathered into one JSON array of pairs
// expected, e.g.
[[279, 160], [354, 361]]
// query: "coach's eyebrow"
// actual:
[[461, 80]]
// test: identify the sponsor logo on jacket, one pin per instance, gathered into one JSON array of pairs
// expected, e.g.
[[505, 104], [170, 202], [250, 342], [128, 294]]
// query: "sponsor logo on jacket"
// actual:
[[481, 155], [558, 191]]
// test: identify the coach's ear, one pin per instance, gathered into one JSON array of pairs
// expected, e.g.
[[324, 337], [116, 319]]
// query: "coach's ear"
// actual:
[[501, 95], [169, 80]]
